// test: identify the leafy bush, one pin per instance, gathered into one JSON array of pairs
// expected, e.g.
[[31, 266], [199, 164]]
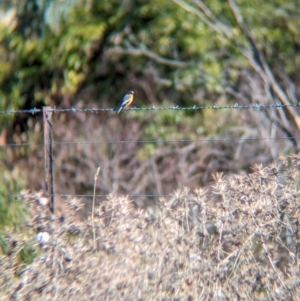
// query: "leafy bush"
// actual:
[[12, 209]]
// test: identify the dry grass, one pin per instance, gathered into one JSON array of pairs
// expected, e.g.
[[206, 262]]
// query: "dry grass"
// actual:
[[239, 242]]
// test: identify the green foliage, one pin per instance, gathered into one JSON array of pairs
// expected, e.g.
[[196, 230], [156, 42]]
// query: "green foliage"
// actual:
[[28, 253], [12, 208], [5, 246], [33, 67]]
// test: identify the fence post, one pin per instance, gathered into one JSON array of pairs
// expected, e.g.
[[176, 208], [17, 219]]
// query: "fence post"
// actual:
[[47, 125]]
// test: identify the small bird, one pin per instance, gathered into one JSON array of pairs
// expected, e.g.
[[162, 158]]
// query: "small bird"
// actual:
[[125, 102]]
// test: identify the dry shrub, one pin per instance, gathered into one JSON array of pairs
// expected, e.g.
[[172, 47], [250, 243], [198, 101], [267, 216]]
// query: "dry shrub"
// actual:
[[238, 242]]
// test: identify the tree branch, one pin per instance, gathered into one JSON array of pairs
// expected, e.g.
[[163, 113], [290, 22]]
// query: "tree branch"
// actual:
[[143, 51], [199, 14], [258, 62]]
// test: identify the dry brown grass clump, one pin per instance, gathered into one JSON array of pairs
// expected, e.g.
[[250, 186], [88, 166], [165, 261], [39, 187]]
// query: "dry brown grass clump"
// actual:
[[238, 243]]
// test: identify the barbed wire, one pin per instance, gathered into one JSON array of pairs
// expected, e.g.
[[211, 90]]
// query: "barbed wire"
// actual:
[[256, 106], [277, 172], [66, 195], [150, 141], [133, 196], [118, 196], [35, 111], [29, 111]]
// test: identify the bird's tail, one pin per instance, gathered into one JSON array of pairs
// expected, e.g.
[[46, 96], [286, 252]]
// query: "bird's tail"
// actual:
[[118, 109]]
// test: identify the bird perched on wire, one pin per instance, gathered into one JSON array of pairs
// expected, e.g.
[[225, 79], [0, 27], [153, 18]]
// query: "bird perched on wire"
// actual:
[[125, 102]]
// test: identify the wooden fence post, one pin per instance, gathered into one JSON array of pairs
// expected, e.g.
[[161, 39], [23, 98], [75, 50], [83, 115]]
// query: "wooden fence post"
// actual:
[[48, 155]]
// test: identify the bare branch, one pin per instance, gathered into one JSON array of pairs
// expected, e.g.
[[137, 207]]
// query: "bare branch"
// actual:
[[201, 15], [289, 87], [208, 13], [135, 48], [259, 63]]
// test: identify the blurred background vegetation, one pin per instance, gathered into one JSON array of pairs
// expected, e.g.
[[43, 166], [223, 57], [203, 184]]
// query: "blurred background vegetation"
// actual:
[[88, 53]]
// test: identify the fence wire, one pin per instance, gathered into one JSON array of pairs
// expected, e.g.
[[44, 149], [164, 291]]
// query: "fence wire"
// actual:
[[66, 195], [256, 106], [150, 141], [35, 111]]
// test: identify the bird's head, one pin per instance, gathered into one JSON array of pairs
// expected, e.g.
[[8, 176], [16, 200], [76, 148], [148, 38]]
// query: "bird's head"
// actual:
[[131, 92]]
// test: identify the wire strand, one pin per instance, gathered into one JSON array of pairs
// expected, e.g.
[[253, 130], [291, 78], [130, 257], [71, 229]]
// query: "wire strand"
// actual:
[[256, 106], [150, 141], [102, 195]]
